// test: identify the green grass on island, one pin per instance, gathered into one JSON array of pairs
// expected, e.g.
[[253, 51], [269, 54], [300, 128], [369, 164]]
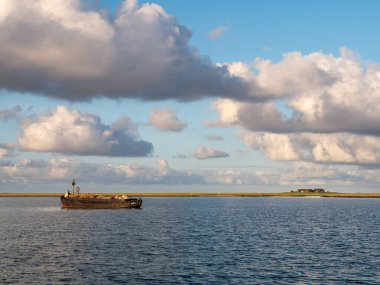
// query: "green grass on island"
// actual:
[[211, 194]]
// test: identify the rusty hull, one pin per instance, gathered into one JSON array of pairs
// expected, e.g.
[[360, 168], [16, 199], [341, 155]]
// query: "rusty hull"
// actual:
[[99, 203]]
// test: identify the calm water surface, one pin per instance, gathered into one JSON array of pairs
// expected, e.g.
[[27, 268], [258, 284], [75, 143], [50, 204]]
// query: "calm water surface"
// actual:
[[192, 241]]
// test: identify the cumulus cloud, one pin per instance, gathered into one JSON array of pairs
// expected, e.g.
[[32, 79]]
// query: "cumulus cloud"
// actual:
[[217, 33], [326, 148], [233, 177], [275, 146], [295, 174], [72, 132], [299, 174], [166, 120], [228, 113], [308, 93], [320, 108], [7, 114], [33, 171], [207, 153], [58, 48]]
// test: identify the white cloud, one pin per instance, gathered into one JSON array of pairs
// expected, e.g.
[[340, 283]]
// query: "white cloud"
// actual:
[[34, 171], [308, 93], [344, 148], [295, 174], [318, 107], [327, 148], [228, 112], [217, 33], [72, 132], [77, 54], [275, 146], [166, 120], [307, 174], [6, 8], [207, 153], [233, 177]]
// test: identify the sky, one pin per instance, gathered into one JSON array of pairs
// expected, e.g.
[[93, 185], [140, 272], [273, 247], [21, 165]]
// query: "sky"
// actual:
[[172, 96]]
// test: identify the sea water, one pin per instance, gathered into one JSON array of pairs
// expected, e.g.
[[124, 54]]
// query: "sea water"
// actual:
[[200, 240]]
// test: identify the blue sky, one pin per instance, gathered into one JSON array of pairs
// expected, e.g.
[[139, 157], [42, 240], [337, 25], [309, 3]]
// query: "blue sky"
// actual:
[[271, 28], [179, 95]]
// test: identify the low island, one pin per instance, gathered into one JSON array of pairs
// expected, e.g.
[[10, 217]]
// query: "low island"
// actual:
[[326, 194]]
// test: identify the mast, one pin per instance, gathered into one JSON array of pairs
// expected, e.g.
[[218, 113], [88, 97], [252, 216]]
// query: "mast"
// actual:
[[73, 183]]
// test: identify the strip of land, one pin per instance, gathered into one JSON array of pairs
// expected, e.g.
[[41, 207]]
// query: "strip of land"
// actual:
[[212, 194]]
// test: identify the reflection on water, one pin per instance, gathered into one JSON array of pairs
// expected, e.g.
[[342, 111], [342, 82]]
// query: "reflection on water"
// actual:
[[192, 241]]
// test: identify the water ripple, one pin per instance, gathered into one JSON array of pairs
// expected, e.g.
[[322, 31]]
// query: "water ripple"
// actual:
[[192, 241]]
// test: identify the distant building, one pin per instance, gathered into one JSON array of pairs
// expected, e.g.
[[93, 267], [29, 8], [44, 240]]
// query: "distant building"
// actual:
[[317, 190], [304, 190]]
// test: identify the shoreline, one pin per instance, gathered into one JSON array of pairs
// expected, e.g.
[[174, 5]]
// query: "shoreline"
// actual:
[[209, 194]]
